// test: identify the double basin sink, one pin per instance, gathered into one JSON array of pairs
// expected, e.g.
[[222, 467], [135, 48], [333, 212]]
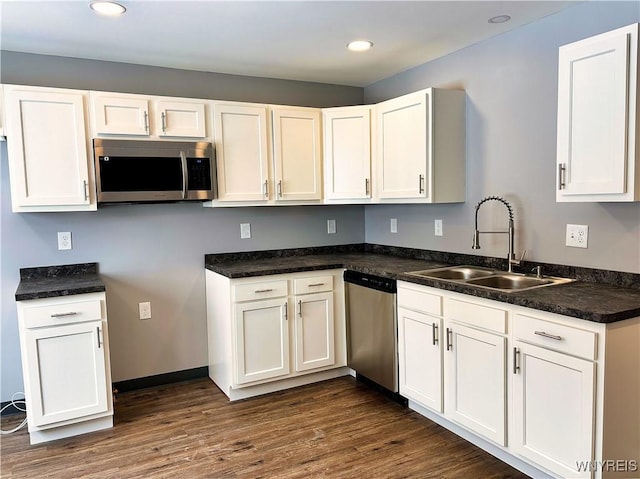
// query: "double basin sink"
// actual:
[[489, 278]]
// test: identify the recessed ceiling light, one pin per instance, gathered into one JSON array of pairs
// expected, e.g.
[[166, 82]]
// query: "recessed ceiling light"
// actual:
[[111, 9], [500, 19], [359, 45]]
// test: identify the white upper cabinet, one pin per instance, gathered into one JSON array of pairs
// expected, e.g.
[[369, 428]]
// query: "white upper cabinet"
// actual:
[[598, 118], [347, 153], [297, 153], [119, 114], [1, 113], [421, 147], [48, 150], [242, 151]]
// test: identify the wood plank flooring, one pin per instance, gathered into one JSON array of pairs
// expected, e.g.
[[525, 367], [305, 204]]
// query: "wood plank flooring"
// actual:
[[334, 429]]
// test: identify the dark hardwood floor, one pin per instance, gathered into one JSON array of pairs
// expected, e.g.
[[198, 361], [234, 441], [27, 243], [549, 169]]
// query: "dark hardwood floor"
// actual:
[[335, 429]]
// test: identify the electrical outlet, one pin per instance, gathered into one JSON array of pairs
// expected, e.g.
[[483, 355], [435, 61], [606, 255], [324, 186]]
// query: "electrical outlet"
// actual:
[[437, 226], [394, 225], [64, 240], [331, 227], [145, 310], [577, 236], [245, 230]]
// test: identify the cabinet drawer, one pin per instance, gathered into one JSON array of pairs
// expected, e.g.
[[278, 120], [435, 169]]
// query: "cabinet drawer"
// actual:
[[479, 315], [566, 339], [421, 301], [315, 284], [62, 313], [260, 290]]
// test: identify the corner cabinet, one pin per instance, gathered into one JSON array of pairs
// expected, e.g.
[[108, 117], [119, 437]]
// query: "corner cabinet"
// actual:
[[269, 333], [347, 153], [65, 363], [420, 147], [598, 113], [48, 150]]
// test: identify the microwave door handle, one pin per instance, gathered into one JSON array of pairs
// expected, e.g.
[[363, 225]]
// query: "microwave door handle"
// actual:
[[183, 158]]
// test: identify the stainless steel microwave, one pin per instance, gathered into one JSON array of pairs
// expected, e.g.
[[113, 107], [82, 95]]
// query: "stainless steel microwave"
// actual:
[[134, 171]]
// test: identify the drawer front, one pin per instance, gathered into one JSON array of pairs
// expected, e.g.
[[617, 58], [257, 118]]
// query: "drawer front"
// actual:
[[559, 337], [64, 312], [479, 315], [260, 290], [315, 284], [420, 301]]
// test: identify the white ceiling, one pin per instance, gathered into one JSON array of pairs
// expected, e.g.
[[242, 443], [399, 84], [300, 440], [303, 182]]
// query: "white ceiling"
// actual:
[[298, 40]]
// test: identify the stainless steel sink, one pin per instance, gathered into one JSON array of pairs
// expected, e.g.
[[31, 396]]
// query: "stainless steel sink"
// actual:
[[489, 279], [462, 273]]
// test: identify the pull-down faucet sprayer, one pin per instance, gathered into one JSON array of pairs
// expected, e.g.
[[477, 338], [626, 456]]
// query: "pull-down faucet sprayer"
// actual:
[[476, 235]]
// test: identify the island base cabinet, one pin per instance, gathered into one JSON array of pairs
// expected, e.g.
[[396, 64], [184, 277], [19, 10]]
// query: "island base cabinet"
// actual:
[[554, 410]]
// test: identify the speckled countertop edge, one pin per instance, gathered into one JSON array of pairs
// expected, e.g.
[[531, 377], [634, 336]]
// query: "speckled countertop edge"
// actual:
[[596, 301], [61, 280]]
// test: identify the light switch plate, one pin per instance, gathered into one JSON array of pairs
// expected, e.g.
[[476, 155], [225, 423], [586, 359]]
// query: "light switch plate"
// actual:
[[331, 227], [437, 226], [394, 225], [577, 236], [245, 230]]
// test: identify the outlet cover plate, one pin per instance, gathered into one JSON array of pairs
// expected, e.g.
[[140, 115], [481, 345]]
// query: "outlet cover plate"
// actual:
[[64, 240], [331, 227], [245, 230], [577, 236], [437, 226], [145, 310], [394, 225]]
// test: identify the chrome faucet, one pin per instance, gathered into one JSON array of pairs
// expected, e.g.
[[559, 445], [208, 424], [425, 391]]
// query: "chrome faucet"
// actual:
[[511, 258]]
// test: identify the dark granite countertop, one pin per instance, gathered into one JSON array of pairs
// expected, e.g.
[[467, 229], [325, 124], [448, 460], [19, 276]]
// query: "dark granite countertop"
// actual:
[[596, 301], [63, 280]]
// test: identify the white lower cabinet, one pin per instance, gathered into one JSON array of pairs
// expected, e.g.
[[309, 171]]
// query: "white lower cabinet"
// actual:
[[551, 395], [65, 361], [269, 333]]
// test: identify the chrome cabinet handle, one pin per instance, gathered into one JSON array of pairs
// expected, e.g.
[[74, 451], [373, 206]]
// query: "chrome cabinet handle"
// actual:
[[85, 184], [547, 335], [61, 315], [146, 122], [280, 189], [516, 367], [286, 306], [300, 308], [562, 170], [266, 188], [185, 177], [164, 124], [434, 332], [421, 184], [98, 336], [366, 186], [449, 339], [268, 290], [315, 284]]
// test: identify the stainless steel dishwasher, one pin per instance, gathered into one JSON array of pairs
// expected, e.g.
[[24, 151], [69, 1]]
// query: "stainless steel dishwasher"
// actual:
[[372, 328]]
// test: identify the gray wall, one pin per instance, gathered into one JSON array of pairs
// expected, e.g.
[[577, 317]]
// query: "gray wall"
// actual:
[[511, 85], [153, 252]]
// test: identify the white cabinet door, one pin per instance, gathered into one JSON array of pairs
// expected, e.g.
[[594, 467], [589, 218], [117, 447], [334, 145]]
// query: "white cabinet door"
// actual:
[[242, 152], [297, 154], [314, 335], [180, 119], [47, 149], [597, 80], [116, 115], [553, 410], [1, 112], [420, 358], [475, 380], [347, 153], [261, 340], [402, 147], [67, 372]]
